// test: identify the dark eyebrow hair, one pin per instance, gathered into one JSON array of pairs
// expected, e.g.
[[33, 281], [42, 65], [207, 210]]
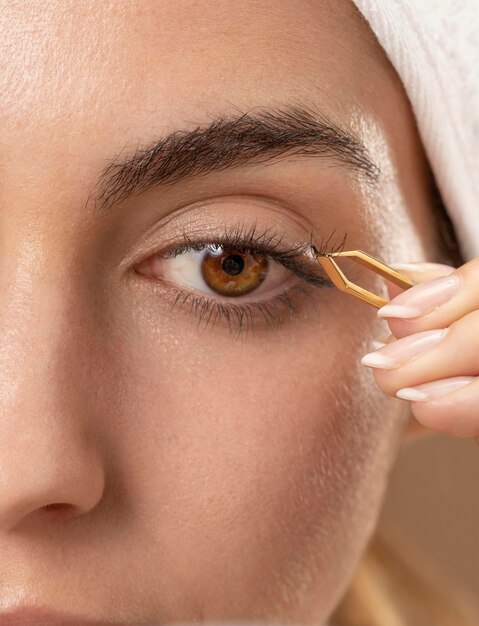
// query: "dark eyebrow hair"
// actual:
[[257, 136]]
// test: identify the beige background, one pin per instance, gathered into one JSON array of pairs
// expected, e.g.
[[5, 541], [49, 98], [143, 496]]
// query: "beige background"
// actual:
[[433, 497]]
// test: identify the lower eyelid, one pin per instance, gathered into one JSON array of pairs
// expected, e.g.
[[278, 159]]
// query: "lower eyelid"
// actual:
[[237, 314], [224, 300]]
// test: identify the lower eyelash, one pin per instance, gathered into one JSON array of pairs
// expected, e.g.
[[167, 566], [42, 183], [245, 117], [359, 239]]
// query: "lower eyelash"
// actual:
[[241, 317]]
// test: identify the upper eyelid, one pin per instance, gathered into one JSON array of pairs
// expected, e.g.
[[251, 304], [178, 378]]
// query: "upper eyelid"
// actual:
[[238, 235]]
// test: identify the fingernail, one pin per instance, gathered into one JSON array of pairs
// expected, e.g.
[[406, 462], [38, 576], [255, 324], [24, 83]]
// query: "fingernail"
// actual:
[[422, 298], [391, 310], [376, 345], [436, 389], [404, 349]]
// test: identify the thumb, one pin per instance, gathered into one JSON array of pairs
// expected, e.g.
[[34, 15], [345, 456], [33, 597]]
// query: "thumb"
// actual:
[[418, 273]]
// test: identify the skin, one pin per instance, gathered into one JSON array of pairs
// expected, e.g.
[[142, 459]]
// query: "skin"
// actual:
[[200, 477], [453, 413]]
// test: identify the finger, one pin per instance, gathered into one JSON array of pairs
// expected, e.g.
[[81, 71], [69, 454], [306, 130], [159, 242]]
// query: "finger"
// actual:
[[434, 303], [427, 356], [450, 406], [418, 273]]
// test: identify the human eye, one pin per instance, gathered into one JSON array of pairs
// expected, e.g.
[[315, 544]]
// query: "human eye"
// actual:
[[242, 276]]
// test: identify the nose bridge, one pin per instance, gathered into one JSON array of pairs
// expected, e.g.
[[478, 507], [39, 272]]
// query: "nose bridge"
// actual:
[[35, 322], [47, 453]]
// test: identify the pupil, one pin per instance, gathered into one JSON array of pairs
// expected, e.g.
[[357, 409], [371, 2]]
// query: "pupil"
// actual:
[[233, 264]]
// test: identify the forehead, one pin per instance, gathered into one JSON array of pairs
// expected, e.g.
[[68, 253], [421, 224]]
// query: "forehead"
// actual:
[[84, 82], [91, 63]]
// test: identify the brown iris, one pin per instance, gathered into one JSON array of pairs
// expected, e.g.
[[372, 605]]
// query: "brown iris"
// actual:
[[233, 273]]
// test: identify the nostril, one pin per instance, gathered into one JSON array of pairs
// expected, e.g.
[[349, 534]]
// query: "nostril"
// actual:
[[60, 509], [55, 506]]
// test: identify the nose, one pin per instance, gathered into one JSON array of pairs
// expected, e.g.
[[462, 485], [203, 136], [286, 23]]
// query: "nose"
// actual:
[[55, 476], [50, 467]]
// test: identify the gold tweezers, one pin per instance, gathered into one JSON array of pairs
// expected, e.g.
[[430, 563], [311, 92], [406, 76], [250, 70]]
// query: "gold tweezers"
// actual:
[[341, 282]]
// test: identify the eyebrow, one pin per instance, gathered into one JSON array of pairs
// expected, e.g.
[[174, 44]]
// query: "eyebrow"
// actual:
[[260, 135]]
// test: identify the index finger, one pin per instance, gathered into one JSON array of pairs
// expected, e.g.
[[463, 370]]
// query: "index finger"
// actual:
[[433, 303]]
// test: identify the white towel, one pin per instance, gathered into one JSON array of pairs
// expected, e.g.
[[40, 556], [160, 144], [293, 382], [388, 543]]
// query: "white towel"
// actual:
[[434, 47]]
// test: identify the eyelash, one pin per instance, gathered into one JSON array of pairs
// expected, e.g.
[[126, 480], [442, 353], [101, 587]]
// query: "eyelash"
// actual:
[[267, 244]]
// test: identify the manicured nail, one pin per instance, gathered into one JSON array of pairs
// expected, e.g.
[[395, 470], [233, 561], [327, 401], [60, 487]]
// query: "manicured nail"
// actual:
[[404, 349], [376, 345], [436, 389], [422, 298], [392, 310]]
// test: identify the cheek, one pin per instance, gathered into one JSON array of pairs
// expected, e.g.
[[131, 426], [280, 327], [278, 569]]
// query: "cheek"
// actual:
[[246, 457]]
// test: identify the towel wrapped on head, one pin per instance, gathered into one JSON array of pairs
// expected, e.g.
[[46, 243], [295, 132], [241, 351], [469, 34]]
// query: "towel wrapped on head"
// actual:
[[434, 47]]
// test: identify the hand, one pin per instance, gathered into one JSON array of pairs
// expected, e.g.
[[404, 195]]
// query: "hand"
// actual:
[[432, 356]]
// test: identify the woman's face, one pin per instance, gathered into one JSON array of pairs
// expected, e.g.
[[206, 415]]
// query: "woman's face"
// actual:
[[211, 453]]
